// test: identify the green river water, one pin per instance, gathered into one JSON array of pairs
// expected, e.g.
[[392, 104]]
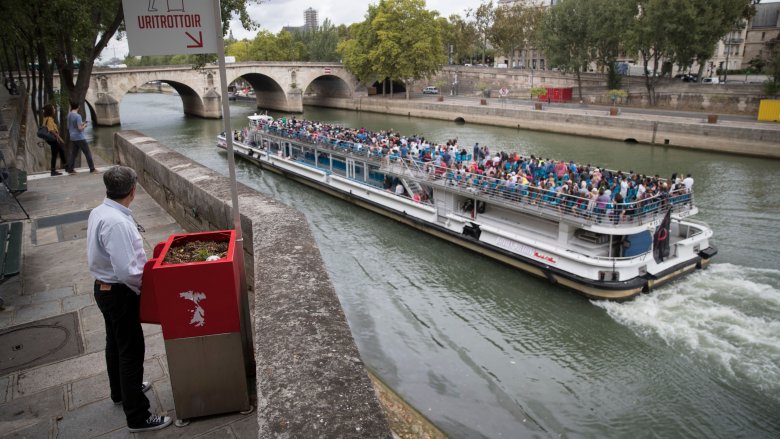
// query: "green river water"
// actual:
[[485, 351]]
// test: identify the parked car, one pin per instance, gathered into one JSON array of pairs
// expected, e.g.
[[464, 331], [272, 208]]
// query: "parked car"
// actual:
[[710, 81], [430, 90], [687, 77]]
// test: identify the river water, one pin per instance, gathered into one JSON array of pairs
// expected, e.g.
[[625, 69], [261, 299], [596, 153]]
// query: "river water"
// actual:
[[485, 351]]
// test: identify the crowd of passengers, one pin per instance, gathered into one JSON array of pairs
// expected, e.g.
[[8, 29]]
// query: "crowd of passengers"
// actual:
[[564, 185]]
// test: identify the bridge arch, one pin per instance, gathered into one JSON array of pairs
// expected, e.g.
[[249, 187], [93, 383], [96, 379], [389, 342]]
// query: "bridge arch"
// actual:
[[269, 94], [327, 86]]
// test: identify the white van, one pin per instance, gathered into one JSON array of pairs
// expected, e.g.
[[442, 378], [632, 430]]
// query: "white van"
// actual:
[[430, 90], [710, 81]]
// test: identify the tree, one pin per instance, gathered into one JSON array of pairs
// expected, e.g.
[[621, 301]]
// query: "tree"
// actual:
[[72, 33], [701, 24], [462, 35], [240, 49], [566, 42], [354, 50], [649, 35], [483, 20], [320, 44], [772, 68], [513, 27], [399, 39], [606, 21]]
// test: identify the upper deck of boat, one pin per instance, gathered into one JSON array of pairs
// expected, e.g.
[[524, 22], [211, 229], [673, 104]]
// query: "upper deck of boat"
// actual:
[[613, 218]]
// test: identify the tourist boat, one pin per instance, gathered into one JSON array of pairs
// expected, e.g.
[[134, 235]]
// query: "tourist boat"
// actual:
[[595, 252]]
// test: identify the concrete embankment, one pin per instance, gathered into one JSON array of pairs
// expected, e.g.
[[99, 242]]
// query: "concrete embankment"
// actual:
[[755, 139], [311, 381]]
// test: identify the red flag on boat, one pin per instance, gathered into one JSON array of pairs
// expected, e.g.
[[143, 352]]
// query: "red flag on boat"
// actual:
[[662, 237]]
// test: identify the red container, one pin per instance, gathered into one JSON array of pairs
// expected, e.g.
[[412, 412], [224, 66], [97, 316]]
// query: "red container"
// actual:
[[557, 95], [192, 299]]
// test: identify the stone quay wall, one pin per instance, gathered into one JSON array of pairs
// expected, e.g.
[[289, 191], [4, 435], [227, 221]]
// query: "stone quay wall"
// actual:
[[311, 381], [671, 94], [738, 138]]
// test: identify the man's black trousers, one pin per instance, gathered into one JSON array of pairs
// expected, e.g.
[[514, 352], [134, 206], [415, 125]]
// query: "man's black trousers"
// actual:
[[124, 348]]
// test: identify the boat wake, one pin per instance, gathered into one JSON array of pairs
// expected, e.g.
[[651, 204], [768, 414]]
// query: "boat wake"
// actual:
[[724, 317]]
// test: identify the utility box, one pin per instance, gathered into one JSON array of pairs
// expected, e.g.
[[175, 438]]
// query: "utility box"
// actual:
[[557, 94], [199, 307], [769, 110]]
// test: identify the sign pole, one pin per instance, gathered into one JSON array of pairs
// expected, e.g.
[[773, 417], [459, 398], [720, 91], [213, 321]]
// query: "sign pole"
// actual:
[[247, 339], [226, 119]]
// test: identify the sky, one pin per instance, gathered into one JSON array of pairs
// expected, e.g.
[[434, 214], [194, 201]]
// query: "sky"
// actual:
[[272, 15]]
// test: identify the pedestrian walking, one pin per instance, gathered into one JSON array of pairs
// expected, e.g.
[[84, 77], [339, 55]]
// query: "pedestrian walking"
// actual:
[[78, 140], [116, 258], [57, 144]]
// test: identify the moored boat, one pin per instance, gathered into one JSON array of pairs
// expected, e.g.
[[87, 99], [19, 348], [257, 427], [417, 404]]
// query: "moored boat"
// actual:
[[604, 248]]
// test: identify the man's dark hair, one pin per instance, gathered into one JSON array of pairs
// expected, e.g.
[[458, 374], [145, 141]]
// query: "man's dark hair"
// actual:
[[119, 181], [74, 105]]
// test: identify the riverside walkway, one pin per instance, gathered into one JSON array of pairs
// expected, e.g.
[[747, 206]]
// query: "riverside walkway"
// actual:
[[310, 381], [65, 393]]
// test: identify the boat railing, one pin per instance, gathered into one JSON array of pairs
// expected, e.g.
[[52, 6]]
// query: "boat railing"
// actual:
[[546, 202], [540, 201]]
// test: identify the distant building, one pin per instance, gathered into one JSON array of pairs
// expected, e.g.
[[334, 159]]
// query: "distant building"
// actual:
[[528, 57], [292, 29], [763, 30], [310, 22]]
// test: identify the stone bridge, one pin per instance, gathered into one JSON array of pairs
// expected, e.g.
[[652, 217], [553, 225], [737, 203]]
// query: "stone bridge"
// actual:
[[278, 86]]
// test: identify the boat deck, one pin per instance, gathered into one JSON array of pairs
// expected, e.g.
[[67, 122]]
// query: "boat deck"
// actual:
[[530, 200]]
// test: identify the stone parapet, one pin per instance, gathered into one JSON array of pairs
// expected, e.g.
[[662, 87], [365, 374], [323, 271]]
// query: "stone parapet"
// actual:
[[311, 381]]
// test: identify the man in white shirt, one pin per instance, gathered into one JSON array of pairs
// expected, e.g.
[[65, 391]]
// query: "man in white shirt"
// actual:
[[688, 182], [116, 257]]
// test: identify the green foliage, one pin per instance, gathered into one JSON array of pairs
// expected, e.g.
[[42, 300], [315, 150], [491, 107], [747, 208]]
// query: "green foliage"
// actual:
[[513, 27], [616, 93], [462, 35], [565, 41], [700, 24], [399, 39], [483, 21], [538, 91], [569, 43], [320, 44]]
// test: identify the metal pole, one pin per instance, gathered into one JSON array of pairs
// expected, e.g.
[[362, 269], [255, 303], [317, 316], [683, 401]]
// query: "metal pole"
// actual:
[[226, 120], [246, 326]]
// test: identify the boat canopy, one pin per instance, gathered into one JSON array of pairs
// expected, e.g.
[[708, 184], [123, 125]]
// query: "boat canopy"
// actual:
[[259, 119]]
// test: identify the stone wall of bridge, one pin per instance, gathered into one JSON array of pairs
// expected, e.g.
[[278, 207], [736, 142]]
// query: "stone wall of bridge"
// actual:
[[278, 86]]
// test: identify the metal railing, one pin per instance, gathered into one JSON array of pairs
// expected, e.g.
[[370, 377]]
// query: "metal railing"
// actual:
[[515, 196]]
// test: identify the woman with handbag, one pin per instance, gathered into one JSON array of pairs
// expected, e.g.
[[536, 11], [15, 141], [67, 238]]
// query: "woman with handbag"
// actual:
[[55, 141]]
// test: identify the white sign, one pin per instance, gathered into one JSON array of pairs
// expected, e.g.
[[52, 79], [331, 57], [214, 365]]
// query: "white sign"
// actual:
[[198, 313], [503, 92], [170, 27]]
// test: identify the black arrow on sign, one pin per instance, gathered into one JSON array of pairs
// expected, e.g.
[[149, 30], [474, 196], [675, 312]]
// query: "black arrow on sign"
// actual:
[[198, 42]]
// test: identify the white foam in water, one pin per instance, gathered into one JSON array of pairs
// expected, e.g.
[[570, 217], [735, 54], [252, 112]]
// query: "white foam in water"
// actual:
[[726, 317]]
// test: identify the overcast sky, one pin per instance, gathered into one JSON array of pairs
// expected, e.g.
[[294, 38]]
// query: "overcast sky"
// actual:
[[272, 15]]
